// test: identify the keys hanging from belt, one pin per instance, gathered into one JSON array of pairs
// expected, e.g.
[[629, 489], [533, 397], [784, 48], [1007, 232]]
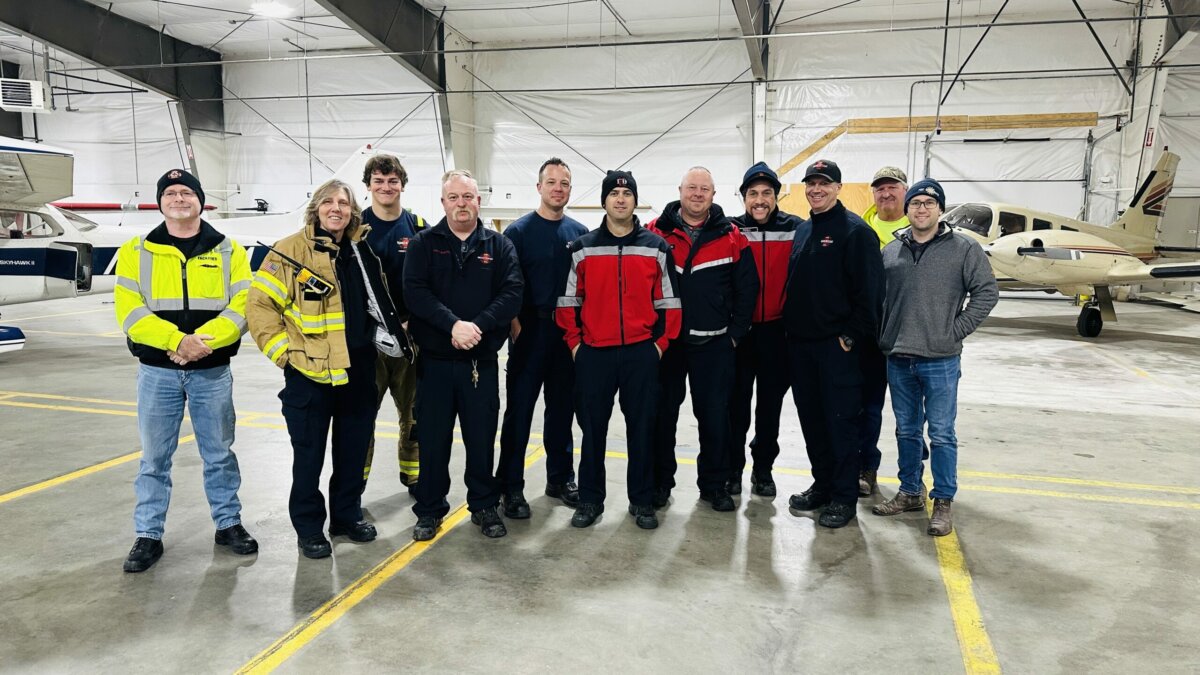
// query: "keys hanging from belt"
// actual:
[[475, 373]]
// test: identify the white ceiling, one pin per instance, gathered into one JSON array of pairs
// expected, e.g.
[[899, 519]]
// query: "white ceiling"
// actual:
[[230, 27]]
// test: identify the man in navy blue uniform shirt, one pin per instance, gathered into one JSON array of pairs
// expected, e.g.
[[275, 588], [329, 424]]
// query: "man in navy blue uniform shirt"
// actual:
[[463, 285], [392, 228], [537, 354]]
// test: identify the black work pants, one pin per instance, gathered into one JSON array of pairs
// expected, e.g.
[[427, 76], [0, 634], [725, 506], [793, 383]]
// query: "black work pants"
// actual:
[[539, 356], [601, 373], [309, 408], [761, 358], [709, 368], [445, 392], [874, 388], [827, 388]]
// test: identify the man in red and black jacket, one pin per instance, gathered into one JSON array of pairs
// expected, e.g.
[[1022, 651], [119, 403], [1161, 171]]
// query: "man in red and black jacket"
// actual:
[[762, 355], [718, 286], [618, 313]]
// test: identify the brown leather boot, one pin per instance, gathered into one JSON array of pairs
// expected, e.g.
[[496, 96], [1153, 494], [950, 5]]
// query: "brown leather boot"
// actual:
[[941, 524], [900, 503], [866, 483]]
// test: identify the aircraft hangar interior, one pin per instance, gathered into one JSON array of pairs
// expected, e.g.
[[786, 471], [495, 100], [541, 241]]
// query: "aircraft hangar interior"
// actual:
[[187, 301]]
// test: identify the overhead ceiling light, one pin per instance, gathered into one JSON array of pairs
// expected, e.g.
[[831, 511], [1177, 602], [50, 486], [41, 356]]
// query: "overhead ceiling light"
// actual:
[[272, 8]]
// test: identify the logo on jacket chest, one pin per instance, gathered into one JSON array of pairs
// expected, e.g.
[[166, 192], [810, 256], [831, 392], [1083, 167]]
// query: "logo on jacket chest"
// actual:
[[403, 245], [485, 259], [826, 241]]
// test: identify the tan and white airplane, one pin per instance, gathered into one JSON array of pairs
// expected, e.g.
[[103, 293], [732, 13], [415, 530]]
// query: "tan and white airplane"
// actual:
[[1036, 250]]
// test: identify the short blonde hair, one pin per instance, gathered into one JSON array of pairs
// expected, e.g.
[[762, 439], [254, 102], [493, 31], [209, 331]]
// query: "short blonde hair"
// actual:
[[312, 219]]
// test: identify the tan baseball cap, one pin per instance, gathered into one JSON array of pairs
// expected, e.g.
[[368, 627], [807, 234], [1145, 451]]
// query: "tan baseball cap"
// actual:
[[890, 173]]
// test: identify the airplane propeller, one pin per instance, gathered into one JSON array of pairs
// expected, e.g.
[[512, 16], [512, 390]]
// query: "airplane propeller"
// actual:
[[1049, 253]]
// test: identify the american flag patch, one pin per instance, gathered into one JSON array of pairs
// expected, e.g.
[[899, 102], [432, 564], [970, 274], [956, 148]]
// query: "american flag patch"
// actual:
[[272, 267]]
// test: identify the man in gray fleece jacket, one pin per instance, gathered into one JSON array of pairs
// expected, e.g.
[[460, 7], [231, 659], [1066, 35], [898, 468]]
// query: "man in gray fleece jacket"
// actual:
[[930, 272]]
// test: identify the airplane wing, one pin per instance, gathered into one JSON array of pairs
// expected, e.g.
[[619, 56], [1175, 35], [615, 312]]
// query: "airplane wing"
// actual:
[[34, 174], [1133, 271]]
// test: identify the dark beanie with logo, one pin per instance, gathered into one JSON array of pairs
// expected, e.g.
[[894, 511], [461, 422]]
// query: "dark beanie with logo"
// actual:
[[928, 187], [179, 177], [616, 179]]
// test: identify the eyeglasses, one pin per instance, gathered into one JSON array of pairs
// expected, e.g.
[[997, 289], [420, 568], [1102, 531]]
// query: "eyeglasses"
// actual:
[[173, 194], [922, 204]]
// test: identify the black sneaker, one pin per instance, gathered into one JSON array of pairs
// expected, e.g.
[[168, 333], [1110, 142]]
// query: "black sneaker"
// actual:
[[426, 528], [809, 500], [762, 485], [586, 514], [662, 495], [237, 539], [733, 486], [362, 531], [644, 516], [568, 492], [836, 515], [489, 523], [315, 546], [515, 506], [719, 499], [143, 555]]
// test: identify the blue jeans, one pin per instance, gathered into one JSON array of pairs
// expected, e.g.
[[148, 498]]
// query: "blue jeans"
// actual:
[[162, 394], [926, 391]]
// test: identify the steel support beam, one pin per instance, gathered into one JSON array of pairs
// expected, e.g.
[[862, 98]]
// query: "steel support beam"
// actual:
[[1100, 43], [402, 27], [754, 17], [108, 40]]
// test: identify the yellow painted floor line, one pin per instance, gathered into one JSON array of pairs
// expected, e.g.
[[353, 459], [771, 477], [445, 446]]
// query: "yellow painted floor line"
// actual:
[[1083, 496], [1083, 481], [73, 399], [327, 614], [79, 473], [978, 655], [69, 408], [243, 415], [88, 470]]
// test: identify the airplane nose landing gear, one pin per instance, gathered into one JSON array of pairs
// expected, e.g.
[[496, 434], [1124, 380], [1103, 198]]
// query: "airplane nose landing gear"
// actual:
[[1092, 316], [1090, 322]]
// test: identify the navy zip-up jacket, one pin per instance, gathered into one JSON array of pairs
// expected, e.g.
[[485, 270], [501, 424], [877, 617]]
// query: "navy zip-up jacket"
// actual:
[[389, 239], [483, 286], [835, 279]]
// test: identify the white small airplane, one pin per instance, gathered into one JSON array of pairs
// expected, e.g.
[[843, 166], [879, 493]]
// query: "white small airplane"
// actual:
[[1036, 250]]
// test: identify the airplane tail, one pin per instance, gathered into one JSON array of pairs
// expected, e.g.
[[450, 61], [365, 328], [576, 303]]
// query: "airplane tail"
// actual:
[[1145, 212]]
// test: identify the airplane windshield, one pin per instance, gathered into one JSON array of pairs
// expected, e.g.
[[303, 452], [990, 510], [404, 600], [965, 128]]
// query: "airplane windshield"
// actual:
[[974, 217], [82, 224]]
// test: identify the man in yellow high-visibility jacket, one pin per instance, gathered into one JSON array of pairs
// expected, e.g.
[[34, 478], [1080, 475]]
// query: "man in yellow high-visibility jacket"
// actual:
[[181, 302]]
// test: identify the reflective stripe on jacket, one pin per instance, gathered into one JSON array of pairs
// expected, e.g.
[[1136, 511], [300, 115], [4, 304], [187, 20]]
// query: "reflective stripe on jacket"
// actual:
[[295, 326], [161, 297]]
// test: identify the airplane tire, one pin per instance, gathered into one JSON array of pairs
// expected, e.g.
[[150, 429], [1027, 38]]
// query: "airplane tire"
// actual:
[[1090, 322]]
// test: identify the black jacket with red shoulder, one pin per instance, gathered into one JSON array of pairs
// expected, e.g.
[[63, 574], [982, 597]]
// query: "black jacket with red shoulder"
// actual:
[[619, 290], [771, 246], [717, 280]]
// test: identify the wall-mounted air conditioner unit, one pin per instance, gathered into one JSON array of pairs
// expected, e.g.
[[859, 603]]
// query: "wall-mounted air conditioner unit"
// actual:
[[22, 95]]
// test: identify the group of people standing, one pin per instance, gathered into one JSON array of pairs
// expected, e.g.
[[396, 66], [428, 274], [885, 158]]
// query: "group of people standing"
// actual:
[[737, 310]]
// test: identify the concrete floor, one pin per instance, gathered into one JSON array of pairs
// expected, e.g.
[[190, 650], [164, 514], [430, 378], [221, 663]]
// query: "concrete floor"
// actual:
[[1077, 517]]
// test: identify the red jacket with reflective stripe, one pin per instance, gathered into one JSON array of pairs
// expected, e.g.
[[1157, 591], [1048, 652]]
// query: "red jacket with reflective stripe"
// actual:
[[718, 286], [619, 290], [771, 246]]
